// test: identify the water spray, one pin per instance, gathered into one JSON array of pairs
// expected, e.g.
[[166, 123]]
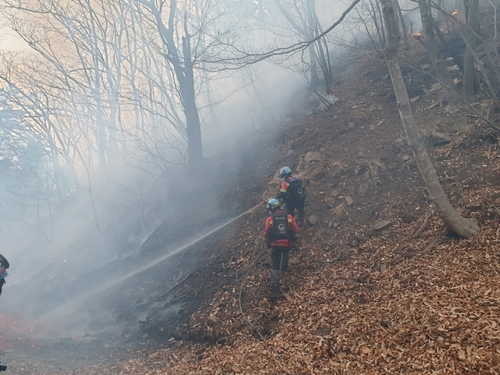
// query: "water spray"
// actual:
[[74, 305], [168, 255]]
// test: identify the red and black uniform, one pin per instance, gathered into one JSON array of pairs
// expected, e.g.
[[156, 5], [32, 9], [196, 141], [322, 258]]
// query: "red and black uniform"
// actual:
[[280, 234], [292, 201]]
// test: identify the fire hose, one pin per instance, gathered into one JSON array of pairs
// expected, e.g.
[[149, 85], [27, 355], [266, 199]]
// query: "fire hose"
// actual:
[[245, 317]]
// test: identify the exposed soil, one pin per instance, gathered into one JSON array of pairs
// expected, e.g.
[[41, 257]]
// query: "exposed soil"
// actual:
[[376, 285]]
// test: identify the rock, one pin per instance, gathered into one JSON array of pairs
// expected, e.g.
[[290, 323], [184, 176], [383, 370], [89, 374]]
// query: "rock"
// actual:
[[351, 125], [408, 218], [339, 210], [462, 125], [453, 68], [374, 168], [312, 156], [426, 66], [294, 260], [335, 193], [323, 331], [435, 87], [439, 139], [348, 200], [382, 224], [399, 146], [405, 157], [213, 318], [413, 100], [312, 220], [330, 202]]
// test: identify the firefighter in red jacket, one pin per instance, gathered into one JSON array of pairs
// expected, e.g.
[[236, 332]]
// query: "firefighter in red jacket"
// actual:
[[280, 233]]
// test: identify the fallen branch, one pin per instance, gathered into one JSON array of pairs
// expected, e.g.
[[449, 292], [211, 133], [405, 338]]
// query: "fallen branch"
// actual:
[[497, 210], [436, 241], [424, 225]]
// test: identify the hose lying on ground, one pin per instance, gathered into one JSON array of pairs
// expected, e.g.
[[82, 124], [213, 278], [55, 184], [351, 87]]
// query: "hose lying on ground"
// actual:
[[247, 320]]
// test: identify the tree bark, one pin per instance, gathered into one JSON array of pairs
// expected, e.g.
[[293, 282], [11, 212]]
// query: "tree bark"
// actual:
[[462, 226], [183, 68], [314, 67], [430, 43], [471, 82], [404, 28]]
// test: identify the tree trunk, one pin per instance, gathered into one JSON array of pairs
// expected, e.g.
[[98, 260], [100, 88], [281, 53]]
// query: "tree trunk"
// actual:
[[195, 150], [314, 67], [183, 68], [430, 43], [402, 22], [462, 226], [97, 94], [471, 82]]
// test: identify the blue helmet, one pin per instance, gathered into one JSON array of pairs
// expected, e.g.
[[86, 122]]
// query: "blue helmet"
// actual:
[[285, 172], [273, 204]]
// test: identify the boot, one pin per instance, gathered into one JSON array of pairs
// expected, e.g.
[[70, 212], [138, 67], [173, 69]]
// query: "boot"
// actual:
[[284, 262], [275, 281]]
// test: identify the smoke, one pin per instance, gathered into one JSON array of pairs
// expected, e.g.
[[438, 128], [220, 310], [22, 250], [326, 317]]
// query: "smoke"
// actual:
[[116, 240]]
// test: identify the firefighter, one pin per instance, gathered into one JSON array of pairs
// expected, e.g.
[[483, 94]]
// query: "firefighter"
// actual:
[[4, 264], [292, 193], [280, 233]]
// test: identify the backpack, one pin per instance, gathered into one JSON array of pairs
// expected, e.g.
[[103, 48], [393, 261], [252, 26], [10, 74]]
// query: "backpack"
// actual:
[[4, 262], [296, 193], [281, 229]]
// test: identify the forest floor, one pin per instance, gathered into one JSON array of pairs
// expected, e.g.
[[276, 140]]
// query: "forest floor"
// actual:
[[376, 284]]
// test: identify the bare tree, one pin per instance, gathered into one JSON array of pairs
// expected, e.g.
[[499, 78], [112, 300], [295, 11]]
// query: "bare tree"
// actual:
[[470, 80], [38, 119], [30, 171], [430, 42], [305, 22], [178, 54], [462, 226]]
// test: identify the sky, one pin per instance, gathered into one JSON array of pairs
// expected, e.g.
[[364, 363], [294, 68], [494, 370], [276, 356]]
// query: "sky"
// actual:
[[9, 40]]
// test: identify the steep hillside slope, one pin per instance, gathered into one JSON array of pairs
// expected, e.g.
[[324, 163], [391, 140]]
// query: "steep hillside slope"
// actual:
[[377, 285]]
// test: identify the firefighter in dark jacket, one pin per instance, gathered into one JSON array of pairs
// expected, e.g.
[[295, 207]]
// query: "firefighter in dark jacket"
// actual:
[[292, 193], [280, 233], [4, 264]]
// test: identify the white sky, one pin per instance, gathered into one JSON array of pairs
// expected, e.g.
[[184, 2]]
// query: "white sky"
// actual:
[[8, 38]]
